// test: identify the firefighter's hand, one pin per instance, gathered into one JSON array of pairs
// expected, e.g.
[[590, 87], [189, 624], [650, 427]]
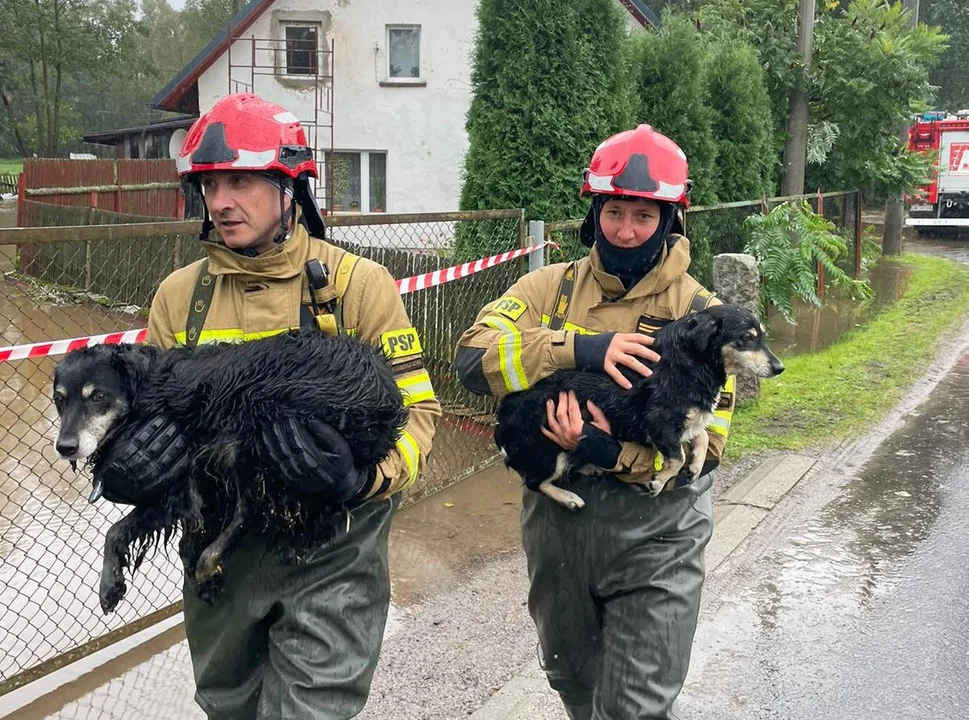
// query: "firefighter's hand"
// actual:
[[591, 442], [143, 460], [628, 350], [310, 456]]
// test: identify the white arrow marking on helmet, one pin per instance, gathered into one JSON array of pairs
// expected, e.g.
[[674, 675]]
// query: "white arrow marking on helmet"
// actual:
[[254, 160], [665, 191], [602, 183], [285, 117]]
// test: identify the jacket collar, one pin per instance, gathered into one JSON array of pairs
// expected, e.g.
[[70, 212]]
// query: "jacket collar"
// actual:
[[674, 261], [282, 262]]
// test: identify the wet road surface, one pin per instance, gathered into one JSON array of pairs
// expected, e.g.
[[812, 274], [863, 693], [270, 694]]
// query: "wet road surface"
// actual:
[[859, 610]]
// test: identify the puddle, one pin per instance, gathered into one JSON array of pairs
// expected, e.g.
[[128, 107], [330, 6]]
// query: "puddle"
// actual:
[[8, 218], [436, 544], [833, 597], [819, 328]]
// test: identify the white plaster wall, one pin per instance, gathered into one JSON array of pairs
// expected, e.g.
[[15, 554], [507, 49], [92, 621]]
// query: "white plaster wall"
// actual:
[[420, 128]]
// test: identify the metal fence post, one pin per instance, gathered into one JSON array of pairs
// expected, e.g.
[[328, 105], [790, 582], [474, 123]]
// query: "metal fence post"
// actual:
[[859, 233], [536, 258]]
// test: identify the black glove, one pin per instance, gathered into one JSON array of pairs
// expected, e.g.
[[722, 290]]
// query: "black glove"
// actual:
[[597, 447], [141, 462], [311, 457]]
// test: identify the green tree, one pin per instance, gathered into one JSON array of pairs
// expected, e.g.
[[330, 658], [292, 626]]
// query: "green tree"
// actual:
[[547, 81], [871, 73], [770, 28], [951, 75], [742, 123], [49, 42], [670, 77]]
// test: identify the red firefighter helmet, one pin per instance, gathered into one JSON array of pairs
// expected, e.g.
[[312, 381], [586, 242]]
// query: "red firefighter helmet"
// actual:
[[244, 132], [639, 163]]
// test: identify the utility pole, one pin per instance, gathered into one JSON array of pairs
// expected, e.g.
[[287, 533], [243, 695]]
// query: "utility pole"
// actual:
[[795, 149], [895, 207]]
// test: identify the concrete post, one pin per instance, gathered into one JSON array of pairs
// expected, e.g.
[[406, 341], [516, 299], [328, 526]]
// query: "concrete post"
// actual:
[[536, 259], [736, 281]]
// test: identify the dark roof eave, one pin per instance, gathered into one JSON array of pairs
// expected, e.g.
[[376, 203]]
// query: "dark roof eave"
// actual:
[[644, 16], [110, 137], [172, 95]]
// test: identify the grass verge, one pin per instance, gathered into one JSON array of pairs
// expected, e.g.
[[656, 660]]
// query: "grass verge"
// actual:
[[825, 396], [11, 167]]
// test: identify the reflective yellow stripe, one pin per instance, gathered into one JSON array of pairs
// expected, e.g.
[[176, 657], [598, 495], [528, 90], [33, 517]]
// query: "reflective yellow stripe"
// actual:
[[547, 319], [720, 423], [722, 418], [658, 461], [409, 450], [509, 353], [229, 335], [416, 388]]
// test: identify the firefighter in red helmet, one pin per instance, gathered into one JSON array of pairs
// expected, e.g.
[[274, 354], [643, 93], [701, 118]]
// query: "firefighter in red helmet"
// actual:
[[281, 640], [615, 586]]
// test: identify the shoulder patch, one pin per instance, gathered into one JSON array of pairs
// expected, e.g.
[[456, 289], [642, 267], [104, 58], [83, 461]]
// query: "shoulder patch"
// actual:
[[511, 307], [400, 343]]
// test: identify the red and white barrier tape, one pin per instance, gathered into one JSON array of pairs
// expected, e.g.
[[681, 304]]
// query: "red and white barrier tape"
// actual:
[[405, 286], [438, 277]]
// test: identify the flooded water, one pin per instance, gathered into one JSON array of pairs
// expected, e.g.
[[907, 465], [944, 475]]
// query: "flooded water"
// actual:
[[818, 328], [437, 543], [858, 612], [8, 218], [50, 536]]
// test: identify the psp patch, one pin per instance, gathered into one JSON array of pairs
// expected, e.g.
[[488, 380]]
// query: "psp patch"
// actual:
[[511, 307], [400, 343]]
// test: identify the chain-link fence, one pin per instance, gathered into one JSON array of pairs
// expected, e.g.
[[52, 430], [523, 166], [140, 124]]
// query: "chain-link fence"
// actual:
[[717, 229], [61, 283]]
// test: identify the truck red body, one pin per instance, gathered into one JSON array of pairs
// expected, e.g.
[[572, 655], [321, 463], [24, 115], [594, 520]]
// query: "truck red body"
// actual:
[[943, 203]]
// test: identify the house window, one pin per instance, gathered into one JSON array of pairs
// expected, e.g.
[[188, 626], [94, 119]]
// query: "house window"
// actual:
[[404, 51], [351, 173], [302, 48], [378, 182]]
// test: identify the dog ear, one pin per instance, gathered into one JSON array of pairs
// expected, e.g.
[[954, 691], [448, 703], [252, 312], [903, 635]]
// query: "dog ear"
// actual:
[[133, 363], [702, 330]]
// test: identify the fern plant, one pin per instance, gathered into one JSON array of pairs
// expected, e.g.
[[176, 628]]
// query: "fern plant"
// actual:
[[790, 242]]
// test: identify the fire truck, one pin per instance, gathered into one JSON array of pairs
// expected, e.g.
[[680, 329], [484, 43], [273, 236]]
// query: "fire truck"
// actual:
[[944, 203]]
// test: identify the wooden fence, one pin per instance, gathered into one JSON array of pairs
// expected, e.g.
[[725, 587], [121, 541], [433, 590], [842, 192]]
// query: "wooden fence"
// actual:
[[136, 187]]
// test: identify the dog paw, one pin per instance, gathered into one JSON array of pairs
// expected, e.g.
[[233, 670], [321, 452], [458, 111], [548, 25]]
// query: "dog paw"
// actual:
[[573, 502], [655, 487], [110, 593]]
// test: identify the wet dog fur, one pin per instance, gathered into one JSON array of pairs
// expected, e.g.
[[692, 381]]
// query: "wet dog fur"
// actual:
[[672, 407], [221, 396]]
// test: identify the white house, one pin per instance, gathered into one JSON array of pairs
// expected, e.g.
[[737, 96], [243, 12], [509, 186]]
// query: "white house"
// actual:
[[382, 84]]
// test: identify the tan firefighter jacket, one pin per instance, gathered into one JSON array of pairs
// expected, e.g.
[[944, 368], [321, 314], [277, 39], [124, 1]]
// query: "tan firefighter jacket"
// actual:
[[260, 296], [528, 333]]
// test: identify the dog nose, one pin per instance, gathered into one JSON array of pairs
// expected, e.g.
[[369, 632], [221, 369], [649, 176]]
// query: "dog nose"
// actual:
[[777, 366], [67, 448]]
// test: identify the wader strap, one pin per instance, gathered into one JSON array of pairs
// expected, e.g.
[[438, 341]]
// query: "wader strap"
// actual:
[[700, 301], [332, 324], [199, 307], [566, 287]]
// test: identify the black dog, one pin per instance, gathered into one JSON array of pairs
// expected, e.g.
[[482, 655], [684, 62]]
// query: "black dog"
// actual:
[[221, 397], [671, 407]]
